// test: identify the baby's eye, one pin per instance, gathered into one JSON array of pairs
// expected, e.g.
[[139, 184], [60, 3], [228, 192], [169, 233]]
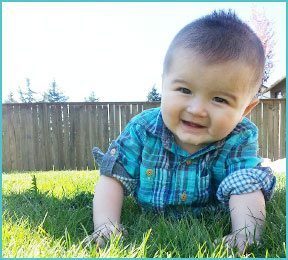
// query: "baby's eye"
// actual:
[[220, 100], [184, 90]]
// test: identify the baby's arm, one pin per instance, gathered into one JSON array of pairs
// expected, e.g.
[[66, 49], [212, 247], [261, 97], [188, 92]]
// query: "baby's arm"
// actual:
[[107, 202], [246, 187], [247, 215], [119, 175], [107, 205]]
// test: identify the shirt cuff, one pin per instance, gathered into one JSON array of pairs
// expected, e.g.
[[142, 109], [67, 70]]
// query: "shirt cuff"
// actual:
[[246, 181], [111, 168]]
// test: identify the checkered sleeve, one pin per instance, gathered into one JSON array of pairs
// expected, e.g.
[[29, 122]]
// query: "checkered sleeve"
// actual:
[[244, 173], [122, 160], [245, 181]]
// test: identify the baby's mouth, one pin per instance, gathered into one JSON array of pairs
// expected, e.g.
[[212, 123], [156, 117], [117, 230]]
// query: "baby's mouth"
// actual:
[[191, 124]]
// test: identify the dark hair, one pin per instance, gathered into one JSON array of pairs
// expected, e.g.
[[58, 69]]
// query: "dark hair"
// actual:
[[219, 37]]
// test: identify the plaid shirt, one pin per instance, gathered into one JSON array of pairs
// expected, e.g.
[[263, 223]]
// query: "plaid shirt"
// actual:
[[150, 165]]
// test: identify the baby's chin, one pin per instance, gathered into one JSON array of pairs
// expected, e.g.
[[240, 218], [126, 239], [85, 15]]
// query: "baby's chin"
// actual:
[[199, 143], [188, 144], [196, 141]]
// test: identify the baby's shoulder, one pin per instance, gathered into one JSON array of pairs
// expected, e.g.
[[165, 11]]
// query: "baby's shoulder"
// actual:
[[147, 118], [244, 130]]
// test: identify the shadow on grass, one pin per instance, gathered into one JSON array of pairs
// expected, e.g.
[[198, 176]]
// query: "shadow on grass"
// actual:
[[73, 215], [56, 216]]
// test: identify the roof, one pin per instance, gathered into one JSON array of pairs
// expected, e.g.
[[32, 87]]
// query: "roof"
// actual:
[[274, 84]]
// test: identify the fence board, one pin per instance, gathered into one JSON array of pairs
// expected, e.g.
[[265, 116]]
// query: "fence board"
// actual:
[[17, 130], [282, 140], [48, 136], [99, 142], [42, 148], [66, 137], [91, 135], [29, 138], [5, 146], [276, 133], [60, 135], [122, 117], [15, 151], [54, 137], [270, 129], [36, 142], [72, 143], [134, 109], [105, 127], [77, 136], [259, 123], [84, 133], [42, 135], [265, 131], [19, 134], [23, 140], [117, 121], [9, 144], [112, 133]]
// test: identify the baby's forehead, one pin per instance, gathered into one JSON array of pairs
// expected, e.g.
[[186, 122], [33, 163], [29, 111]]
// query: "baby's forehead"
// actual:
[[193, 70], [185, 57], [182, 54]]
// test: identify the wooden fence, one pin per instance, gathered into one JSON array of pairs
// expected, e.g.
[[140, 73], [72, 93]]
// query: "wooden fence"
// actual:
[[45, 136]]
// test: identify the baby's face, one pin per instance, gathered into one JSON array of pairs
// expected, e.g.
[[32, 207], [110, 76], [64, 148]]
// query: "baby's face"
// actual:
[[201, 102]]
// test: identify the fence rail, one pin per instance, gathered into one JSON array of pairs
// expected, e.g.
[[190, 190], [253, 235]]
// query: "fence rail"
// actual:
[[43, 136]]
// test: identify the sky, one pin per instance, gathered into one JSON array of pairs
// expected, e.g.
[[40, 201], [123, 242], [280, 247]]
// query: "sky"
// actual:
[[113, 49]]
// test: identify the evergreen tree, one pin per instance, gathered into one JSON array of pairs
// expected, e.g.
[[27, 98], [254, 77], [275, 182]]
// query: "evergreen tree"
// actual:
[[153, 95], [54, 94], [10, 98], [28, 95], [22, 95], [92, 97]]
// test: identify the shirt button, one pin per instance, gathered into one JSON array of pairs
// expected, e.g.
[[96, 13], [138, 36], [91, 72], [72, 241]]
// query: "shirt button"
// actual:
[[112, 151], [188, 162], [149, 172], [183, 196]]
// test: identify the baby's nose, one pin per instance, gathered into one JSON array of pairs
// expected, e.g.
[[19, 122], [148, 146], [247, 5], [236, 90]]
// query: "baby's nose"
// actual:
[[197, 108]]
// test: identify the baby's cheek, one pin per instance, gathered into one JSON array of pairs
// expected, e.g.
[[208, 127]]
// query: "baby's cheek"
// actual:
[[223, 127], [170, 116]]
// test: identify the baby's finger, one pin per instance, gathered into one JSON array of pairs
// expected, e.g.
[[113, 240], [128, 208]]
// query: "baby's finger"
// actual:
[[239, 242], [101, 242], [87, 240]]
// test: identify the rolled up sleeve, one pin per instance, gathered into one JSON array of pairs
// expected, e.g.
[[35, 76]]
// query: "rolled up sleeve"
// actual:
[[244, 173], [246, 181], [123, 158]]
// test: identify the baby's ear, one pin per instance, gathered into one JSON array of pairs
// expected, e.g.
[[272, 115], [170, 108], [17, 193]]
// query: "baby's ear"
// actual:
[[250, 107]]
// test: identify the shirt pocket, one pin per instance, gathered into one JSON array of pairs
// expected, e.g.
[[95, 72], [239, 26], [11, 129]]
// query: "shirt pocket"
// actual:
[[154, 185]]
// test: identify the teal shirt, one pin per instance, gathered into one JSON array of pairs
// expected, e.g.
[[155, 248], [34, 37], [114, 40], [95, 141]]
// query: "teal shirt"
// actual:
[[150, 165]]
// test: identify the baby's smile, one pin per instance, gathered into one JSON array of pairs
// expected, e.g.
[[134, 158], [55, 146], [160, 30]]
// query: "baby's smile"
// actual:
[[192, 124], [192, 127]]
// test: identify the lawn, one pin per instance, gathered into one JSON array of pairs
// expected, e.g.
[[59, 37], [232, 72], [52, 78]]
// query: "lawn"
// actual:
[[48, 214]]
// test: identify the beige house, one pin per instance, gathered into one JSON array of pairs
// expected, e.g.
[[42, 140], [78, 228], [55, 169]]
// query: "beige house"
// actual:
[[278, 89]]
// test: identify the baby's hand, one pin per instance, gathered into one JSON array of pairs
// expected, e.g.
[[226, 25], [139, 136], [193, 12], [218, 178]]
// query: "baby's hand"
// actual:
[[103, 233], [239, 240]]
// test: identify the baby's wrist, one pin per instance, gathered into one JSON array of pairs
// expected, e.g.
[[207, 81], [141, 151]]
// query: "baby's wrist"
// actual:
[[103, 233], [247, 235], [110, 226]]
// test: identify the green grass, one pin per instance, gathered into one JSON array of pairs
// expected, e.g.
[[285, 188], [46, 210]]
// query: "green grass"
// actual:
[[48, 214]]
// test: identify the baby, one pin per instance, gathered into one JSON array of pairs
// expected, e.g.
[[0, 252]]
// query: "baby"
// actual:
[[198, 148]]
